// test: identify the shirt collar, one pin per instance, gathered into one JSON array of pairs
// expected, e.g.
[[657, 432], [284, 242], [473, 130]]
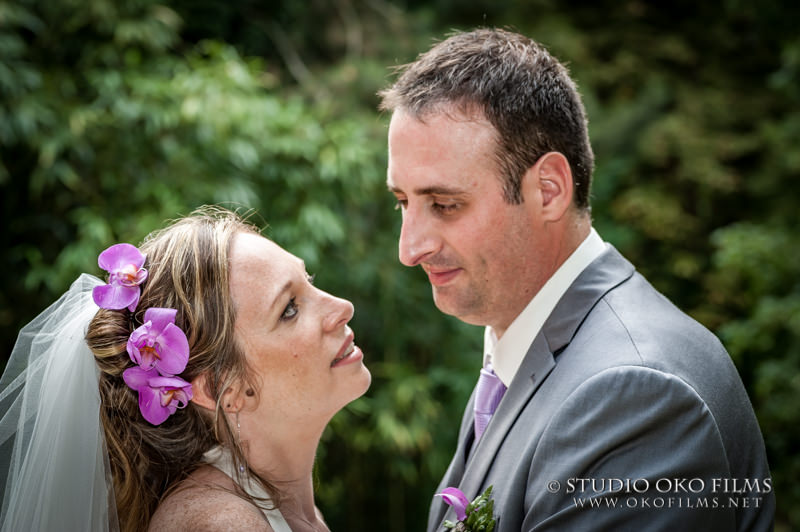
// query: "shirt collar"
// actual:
[[506, 354]]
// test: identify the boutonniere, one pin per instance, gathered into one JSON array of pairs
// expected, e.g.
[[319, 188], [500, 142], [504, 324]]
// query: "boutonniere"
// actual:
[[475, 516]]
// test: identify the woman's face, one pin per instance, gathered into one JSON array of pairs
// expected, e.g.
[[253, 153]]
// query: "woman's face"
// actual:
[[295, 337]]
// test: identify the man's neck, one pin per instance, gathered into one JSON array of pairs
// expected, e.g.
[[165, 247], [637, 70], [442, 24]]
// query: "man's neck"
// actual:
[[573, 236]]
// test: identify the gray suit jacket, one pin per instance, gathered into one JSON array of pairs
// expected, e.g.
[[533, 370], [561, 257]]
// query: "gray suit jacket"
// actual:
[[625, 414]]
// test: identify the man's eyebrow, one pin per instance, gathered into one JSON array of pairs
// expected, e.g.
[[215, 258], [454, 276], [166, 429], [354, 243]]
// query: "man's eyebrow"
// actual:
[[436, 190], [439, 190]]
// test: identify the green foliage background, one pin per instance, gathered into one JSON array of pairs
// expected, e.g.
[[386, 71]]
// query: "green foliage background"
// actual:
[[117, 116]]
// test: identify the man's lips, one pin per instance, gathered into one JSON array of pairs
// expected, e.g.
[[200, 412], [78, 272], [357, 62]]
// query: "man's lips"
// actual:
[[439, 276]]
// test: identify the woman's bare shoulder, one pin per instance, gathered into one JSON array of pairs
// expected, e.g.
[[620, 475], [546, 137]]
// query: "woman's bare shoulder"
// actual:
[[204, 503]]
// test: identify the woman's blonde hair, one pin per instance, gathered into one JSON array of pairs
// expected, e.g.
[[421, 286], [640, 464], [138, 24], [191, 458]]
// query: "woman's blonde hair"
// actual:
[[188, 266]]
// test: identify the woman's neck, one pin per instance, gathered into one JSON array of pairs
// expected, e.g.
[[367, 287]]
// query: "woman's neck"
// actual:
[[286, 459]]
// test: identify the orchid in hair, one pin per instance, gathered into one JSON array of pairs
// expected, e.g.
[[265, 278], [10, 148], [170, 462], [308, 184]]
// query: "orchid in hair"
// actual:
[[159, 396], [161, 351], [159, 343], [159, 348], [124, 264]]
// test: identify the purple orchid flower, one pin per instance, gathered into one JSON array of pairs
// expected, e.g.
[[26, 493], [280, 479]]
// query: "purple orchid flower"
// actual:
[[159, 343], [124, 264], [159, 397], [455, 498]]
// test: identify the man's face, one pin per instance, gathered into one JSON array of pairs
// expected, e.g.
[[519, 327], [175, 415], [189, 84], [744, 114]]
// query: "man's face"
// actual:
[[484, 257]]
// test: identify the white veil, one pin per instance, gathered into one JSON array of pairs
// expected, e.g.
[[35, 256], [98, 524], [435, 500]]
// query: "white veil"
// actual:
[[54, 472]]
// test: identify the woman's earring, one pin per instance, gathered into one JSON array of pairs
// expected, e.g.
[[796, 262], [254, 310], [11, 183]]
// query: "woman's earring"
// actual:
[[239, 439]]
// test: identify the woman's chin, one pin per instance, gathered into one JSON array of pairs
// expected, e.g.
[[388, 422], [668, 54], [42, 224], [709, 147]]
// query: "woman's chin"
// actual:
[[366, 383], [360, 385]]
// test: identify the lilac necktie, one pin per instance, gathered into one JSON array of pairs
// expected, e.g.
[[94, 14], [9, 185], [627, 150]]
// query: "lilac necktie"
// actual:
[[488, 394]]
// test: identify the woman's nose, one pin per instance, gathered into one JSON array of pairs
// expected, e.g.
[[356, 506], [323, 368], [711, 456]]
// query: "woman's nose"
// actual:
[[341, 312]]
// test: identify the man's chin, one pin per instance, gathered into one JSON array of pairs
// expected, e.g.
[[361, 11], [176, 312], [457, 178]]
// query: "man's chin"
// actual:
[[442, 301], [447, 301]]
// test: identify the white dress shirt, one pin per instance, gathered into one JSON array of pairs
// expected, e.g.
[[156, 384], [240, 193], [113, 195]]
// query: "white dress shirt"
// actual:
[[506, 354]]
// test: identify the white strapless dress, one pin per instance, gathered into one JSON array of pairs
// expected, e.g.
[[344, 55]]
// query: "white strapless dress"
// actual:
[[221, 459]]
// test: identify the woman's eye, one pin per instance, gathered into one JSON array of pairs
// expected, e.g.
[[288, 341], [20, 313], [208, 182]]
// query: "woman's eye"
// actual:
[[290, 311], [310, 277]]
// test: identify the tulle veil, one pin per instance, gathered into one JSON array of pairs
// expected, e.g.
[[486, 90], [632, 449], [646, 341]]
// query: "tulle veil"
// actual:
[[54, 472]]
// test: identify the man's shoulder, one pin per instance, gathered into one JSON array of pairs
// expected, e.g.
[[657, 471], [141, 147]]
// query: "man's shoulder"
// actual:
[[649, 318], [635, 325], [613, 302]]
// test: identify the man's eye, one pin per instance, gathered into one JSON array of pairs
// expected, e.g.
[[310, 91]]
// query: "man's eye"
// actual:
[[310, 278], [401, 204], [445, 208], [290, 311]]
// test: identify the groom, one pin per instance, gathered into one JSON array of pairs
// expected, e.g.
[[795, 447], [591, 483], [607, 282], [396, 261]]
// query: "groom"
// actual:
[[616, 410]]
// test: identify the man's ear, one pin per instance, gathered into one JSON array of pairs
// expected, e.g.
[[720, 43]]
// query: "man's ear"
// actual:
[[549, 183], [231, 398]]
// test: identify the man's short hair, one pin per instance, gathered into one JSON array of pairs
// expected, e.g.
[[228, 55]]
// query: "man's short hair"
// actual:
[[524, 92]]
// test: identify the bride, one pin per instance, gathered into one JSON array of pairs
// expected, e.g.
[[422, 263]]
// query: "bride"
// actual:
[[189, 392]]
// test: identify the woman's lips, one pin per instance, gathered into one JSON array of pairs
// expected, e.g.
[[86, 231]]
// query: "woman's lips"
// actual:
[[349, 352], [350, 356]]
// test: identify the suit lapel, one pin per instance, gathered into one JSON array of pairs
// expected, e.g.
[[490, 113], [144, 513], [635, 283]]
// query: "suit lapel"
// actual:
[[470, 465], [535, 368], [606, 272], [455, 470]]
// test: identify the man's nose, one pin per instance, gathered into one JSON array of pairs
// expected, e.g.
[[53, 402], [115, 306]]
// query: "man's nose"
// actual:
[[418, 239]]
